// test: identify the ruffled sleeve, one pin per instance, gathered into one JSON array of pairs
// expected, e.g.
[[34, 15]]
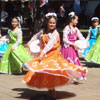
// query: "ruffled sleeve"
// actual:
[[89, 34], [36, 36], [19, 37], [80, 36], [66, 31]]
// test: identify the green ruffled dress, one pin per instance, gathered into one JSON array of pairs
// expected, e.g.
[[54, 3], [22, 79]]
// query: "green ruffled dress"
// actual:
[[94, 53], [13, 60]]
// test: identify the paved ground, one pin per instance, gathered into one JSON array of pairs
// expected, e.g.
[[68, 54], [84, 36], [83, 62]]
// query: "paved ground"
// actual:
[[11, 87]]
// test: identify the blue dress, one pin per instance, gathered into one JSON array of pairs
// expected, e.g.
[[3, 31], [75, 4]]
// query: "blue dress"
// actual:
[[92, 40], [3, 47]]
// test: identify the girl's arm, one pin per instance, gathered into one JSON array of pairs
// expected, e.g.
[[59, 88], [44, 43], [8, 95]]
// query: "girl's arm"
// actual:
[[0, 35], [19, 37], [65, 37], [5, 37], [80, 36], [53, 40], [89, 34], [36, 36]]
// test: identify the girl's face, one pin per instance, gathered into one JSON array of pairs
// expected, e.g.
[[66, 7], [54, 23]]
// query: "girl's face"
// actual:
[[14, 23], [51, 24], [95, 24], [75, 21]]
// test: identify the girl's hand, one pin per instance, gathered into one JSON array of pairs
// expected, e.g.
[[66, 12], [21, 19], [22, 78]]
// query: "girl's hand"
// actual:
[[42, 54], [75, 46], [88, 44], [0, 36], [12, 49], [26, 45]]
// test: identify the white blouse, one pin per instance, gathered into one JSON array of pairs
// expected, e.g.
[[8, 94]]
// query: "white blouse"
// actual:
[[19, 37], [68, 30], [53, 40]]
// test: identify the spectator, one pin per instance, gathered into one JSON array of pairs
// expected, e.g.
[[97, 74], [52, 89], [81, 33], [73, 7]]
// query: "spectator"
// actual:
[[4, 15], [97, 11], [43, 7], [77, 7], [62, 14], [27, 18], [90, 8], [26, 13], [15, 9], [89, 11], [9, 9], [62, 10]]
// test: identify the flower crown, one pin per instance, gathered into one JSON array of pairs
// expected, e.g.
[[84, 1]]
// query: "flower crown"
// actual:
[[95, 18], [71, 14], [19, 20], [50, 14]]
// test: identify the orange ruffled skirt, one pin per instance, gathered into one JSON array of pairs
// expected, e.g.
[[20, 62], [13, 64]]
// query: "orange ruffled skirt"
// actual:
[[52, 71]]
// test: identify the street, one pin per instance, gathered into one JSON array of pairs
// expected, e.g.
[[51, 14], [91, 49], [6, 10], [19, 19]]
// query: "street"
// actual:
[[12, 88]]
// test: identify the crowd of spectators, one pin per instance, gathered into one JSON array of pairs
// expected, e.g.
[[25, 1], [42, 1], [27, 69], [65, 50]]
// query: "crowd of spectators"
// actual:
[[83, 8]]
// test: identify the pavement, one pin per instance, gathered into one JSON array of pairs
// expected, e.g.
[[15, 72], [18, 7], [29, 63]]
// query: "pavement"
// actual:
[[12, 88]]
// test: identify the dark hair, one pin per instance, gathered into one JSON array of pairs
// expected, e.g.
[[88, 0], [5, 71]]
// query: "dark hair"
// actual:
[[94, 21], [71, 17], [42, 97], [44, 26], [15, 18]]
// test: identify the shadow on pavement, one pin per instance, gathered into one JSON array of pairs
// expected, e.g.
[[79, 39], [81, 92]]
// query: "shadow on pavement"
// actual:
[[25, 93], [91, 65]]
